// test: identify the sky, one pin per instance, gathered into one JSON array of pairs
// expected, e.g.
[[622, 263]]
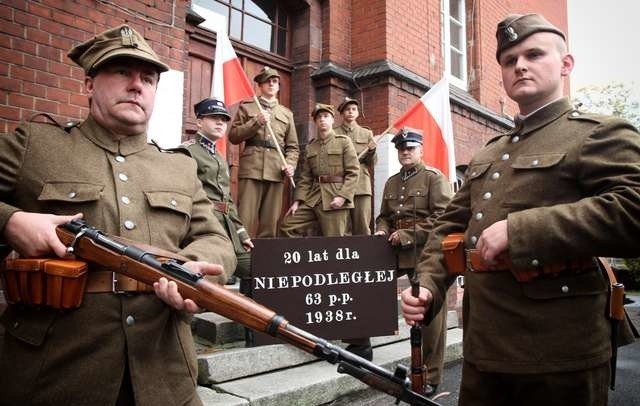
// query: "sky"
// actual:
[[604, 38]]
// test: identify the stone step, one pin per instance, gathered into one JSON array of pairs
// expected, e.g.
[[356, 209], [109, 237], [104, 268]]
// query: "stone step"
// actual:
[[219, 366], [314, 382]]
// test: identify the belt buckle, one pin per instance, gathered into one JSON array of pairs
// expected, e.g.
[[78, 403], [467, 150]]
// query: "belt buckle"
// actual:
[[114, 285]]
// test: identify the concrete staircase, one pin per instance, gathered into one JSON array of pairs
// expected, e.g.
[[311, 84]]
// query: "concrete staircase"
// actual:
[[280, 374]]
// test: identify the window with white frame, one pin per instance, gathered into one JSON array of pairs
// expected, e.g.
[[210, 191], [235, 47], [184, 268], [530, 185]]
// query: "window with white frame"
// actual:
[[454, 41]]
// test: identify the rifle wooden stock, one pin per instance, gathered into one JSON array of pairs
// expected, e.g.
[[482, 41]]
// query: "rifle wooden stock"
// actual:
[[145, 267]]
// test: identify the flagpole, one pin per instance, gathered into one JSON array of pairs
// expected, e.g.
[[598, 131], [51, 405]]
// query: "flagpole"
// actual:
[[375, 139], [274, 139]]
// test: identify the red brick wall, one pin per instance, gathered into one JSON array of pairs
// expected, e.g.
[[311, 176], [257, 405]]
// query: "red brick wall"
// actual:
[[487, 83], [35, 73]]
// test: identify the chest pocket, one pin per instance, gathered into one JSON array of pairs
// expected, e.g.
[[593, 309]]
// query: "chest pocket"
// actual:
[[169, 217], [335, 160], [71, 192], [312, 161], [418, 197], [280, 125], [72, 197], [529, 184]]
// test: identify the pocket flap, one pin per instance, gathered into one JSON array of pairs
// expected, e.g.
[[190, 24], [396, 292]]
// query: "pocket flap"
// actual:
[[175, 201], [589, 283], [71, 191], [418, 192], [29, 324], [283, 118], [537, 161]]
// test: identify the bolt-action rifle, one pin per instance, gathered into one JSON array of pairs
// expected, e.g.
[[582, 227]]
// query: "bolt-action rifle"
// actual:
[[93, 245]]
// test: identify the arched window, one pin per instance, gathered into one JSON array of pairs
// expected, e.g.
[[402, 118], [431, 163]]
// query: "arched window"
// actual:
[[261, 23]]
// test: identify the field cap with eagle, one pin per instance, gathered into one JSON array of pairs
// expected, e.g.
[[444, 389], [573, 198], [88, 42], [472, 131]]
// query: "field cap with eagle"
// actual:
[[121, 41], [515, 28]]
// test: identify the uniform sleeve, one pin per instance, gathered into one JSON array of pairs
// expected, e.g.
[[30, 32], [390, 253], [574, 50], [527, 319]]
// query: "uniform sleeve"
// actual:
[[370, 157], [244, 126], [351, 171], [207, 239], [291, 150], [606, 221], [383, 221], [431, 271], [243, 235], [439, 198], [13, 148], [303, 186]]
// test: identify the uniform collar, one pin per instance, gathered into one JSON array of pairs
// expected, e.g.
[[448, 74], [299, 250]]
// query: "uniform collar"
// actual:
[[104, 138], [542, 117], [268, 104], [329, 137], [349, 128], [206, 143], [406, 174]]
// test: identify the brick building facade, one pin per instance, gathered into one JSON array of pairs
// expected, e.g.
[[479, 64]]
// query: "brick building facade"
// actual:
[[387, 53]]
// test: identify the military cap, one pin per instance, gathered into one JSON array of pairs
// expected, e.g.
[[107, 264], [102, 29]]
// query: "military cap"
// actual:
[[265, 74], [516, 27], [323, 107], [408, 137], [347, 101], [121, 41], [210, 107]]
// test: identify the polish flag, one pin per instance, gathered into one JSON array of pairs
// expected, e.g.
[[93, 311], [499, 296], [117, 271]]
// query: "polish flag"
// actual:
[[230, 84], [432, 115]]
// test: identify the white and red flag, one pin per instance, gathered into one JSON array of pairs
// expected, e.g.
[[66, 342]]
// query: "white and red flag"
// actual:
[[432, 115], [229, 84]]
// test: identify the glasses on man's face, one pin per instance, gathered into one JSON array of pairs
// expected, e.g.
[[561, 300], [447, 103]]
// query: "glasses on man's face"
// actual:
[[403, 148]]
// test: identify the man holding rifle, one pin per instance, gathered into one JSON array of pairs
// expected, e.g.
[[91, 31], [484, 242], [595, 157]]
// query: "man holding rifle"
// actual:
[[537, 205], [122, 345]]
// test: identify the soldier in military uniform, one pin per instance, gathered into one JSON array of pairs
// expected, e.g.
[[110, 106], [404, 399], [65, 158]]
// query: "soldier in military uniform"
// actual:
[[362, 139], [261, 173], [539, 201], [212, 118], [124, 344], [411, 201], [327, 183]]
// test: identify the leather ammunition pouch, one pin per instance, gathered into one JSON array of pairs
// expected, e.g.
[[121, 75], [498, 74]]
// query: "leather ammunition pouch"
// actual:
[[458, 260], [453, 250], [57, 283]]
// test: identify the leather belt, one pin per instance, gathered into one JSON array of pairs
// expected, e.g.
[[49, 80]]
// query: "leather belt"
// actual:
[[330, 179], [222, 207], [409, 222], [252, 142], [112, 282], [475, 263]]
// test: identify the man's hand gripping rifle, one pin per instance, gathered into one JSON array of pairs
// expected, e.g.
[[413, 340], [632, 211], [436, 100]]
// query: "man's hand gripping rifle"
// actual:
[[94, 246]]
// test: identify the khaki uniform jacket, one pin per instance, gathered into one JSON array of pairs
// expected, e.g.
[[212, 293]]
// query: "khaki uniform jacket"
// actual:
[[569, 185], [333, 156], [77, 357], [361, 137], [213, 172], [259, 162], [422, 187]]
